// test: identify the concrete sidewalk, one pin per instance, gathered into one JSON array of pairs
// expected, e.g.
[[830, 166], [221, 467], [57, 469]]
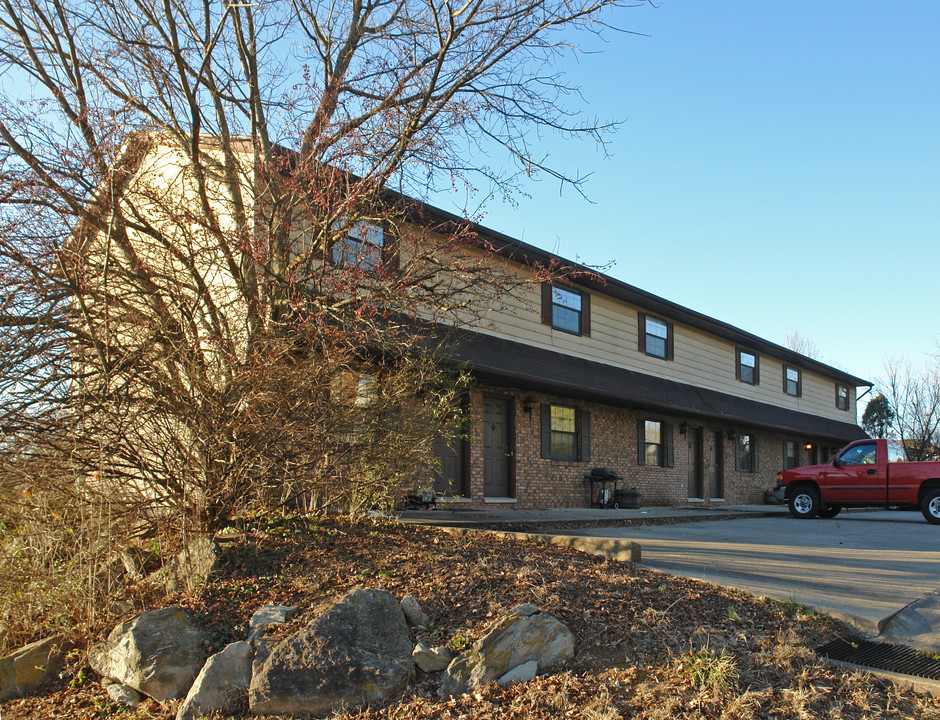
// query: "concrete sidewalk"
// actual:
[[504, 514]]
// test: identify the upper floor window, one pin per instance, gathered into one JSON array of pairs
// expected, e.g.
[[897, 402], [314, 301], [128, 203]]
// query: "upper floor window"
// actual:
[[361, 247], [654, 443], [566, 433], [792, 381], [654, 336], [842, 396], [747, 368], [745, 452], [566, 309]]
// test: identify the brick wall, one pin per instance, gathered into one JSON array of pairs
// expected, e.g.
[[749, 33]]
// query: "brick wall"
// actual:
[[540, 483]]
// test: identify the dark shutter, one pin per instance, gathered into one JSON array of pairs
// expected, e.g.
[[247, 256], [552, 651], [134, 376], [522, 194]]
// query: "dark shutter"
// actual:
[[785, 388], [641, 331], [546, 304], [667, 441], [546, 411], [585, 437], [755, 455], [756, 369], [641, 442], [585, 314], [737, 364], [669, 342]]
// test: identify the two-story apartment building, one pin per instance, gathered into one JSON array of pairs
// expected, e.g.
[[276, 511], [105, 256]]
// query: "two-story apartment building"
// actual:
[[591, 372], [599, 373]]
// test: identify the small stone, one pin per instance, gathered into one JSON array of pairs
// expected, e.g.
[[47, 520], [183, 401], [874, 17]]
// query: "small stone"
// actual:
[[414, 614], [521, 673], [122, 694], [430, 659]]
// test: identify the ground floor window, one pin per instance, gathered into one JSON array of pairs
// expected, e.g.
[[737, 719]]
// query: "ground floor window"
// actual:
[[746, 452], [654, 443], [565, 433], [791, 454]]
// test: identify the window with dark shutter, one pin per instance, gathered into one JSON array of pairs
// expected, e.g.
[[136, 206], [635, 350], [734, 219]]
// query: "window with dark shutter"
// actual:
[[566, 309], [747, 367]]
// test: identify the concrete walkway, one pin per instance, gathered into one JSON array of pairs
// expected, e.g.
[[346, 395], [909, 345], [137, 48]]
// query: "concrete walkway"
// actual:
[[879, 571]]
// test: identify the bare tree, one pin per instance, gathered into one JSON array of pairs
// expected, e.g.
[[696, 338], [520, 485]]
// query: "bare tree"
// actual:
[[914, 396], [798, 342], [201, 248]]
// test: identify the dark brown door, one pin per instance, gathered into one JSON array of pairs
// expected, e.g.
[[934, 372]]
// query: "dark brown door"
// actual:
[[696, 464], [717, 452], [449, 475], [496, 447]]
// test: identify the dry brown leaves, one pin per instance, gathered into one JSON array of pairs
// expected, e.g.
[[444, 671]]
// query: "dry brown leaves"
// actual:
[[636, 630]]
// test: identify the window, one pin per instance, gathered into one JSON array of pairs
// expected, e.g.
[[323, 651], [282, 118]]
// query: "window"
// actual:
[[566, 433], [361, 247], [792, 381], [654, 443], [566, 309], [896, 452], [863, 454], [842, 396], [747, 368], [791, 454], [745, 453], [654, 336]]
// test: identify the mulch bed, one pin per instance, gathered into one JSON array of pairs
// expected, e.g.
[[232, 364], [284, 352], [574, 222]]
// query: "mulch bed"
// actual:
[[638, 631]]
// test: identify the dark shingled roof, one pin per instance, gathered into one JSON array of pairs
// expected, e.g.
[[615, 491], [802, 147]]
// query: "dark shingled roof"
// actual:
[[523, 366]]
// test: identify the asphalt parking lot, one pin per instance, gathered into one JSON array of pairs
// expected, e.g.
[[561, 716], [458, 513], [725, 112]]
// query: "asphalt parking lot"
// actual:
[[879, 571]]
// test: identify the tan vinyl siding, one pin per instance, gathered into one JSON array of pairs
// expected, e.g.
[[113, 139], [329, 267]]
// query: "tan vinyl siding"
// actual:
[[700, 359]]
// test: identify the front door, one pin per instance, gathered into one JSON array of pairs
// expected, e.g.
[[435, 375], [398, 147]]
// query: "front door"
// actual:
[[496, 447], [696, 464], [449, 474], [717, 452]]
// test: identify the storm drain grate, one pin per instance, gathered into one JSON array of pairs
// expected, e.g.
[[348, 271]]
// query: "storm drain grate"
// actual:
[[880, 656]]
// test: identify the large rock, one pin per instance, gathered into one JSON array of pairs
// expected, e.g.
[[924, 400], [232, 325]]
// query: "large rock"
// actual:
[[26, 669], [521, 636], [357, 652], [189, 570], [158, 653], [222, 679]]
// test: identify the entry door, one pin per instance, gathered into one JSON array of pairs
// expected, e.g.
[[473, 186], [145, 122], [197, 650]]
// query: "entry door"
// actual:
[[717, 453], [496, 448], [449, 476], [696, 464]]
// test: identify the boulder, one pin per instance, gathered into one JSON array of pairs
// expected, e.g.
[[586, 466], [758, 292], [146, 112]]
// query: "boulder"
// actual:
[[522, 635], [24, 670], [189, 570], [430, 659], [158, 653], [223, 678], [355, 653]]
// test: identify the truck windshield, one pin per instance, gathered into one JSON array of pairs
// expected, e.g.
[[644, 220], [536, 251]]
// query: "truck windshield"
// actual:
[[896, 452]]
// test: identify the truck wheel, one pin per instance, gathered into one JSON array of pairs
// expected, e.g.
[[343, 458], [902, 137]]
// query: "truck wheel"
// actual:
[[930, 506], [830, 511], [804, 503]]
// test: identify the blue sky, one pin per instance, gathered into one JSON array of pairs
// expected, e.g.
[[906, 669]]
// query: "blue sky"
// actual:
[[779, 169]]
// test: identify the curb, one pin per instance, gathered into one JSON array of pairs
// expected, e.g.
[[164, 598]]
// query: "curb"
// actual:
[[618, 550]]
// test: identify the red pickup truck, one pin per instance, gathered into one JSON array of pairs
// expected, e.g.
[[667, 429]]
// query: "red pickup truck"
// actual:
[[865, 473]]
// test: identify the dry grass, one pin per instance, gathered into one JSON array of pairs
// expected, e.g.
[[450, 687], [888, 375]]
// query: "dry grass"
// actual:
[[650, 646]]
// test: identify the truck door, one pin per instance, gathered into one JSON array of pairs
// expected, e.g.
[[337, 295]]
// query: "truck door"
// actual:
[[855, 476]]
